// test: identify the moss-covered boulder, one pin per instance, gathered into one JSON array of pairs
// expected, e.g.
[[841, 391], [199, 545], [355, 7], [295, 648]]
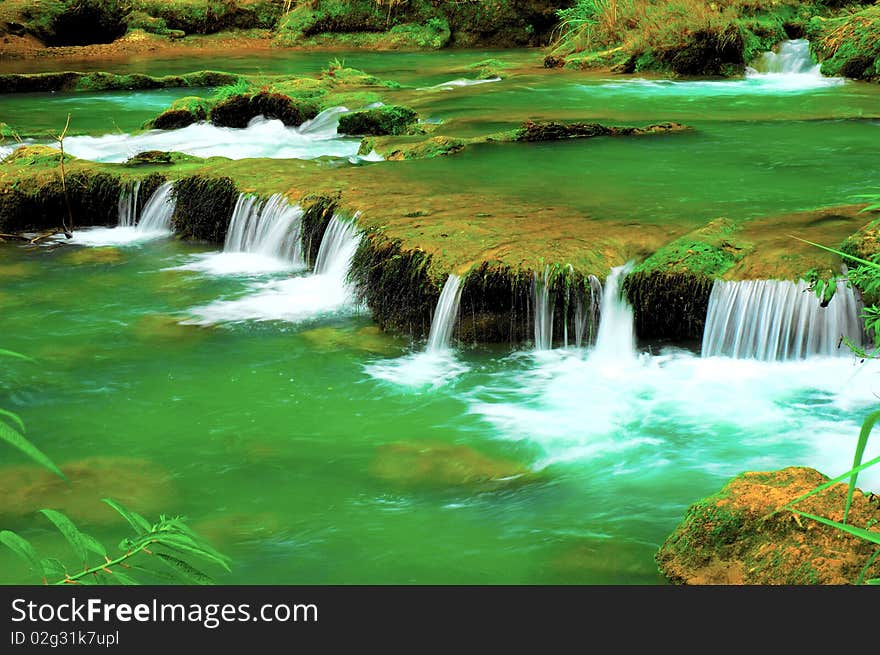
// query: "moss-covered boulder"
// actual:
[[101, 81], [238, 110], [733, 537], [204, 207], [848, 45], [394, 149], [555, 131], [379, 121]]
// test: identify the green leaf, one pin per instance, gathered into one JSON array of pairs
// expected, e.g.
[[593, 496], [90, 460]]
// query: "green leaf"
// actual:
[[137, 522], [23, 549], [94, 545], [54, 568], [865, 432], [187, 545], [873, 581], [122, 578], [185, 570], [13, 438], [873, 537], [15, 355], [164, 575], [15, 418], [70, 531]]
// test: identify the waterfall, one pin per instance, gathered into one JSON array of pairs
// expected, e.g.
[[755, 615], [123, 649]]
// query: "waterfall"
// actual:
[[340, 241], [792, 58], [543, 310], [156, 214], [616, 338], [128, 206], [443, 322], [586, 319], [271, 228], [778, 320]]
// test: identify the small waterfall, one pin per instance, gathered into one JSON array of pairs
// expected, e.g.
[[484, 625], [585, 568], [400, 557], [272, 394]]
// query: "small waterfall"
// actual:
[[128, 206], [156, 214], [271, 228], [586, 319], [773, 320], [792, 58], [445, 314], [544, 302], [340, 241], [616, 338]]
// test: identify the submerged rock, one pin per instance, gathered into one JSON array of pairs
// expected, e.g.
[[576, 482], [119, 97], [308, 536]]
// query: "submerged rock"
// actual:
[[605, 561], [103, 255], [728, 538], [440, 465], [168, 329], [369, 339], [139, 484]]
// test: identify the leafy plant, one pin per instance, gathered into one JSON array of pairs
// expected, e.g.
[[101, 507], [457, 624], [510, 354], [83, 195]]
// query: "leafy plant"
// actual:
[[12, 429], [170, 542]]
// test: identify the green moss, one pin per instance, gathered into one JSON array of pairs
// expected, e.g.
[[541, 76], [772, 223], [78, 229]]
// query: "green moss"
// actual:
[[204, 207], [392, 148], [380, 121], [209, 16], [237, 111], [487, 69], [850, 44]]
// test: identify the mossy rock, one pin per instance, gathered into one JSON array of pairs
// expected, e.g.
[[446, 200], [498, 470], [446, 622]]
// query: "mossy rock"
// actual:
[[379, 121], [848, 45], [204, 207], [91, 256], [102, 81], [183, 112], [238, 110], [733, 537], [532, 131], [418, 464], [392, 149]]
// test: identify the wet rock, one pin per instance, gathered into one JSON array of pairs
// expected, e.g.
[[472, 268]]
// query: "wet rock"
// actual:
[[380, 121], [439, 465], [19, 270], [204, 207], [555, 131], [138, 484], [174, 119], [238, 110], [552, 61], [605, 561], [728, 538]]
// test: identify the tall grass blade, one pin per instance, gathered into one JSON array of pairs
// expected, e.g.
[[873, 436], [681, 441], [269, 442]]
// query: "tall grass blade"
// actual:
[[15, 355], [15, 418], [824, 486], [867, 535], [865, 432]]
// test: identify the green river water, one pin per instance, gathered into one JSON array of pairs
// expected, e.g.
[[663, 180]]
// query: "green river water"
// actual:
[[281, 440]]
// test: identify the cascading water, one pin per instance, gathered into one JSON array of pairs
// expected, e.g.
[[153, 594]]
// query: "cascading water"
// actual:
[[543, 310], [299, 297], [616, 338], [445, 314], [157, 212], [271, 228], [128, 205], [778, 320], [586, 319], [792, 57]]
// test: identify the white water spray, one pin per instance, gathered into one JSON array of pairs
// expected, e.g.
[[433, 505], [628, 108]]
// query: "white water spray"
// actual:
[[298, 298], [270, 228], [443, 323], [778, 320], [544, 302], [128, 206], [616, 338]]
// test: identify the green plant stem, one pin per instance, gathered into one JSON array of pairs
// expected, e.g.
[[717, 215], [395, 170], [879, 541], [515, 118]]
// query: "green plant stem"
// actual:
[[871, 560], [72, 579]]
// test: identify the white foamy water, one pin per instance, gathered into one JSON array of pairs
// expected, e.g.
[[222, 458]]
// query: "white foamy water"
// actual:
[[443, 322], [789, 70], [430, 369], [264, 236], [296, 299], [459, 83], [714, 415], [153, 222], [261, 138]]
